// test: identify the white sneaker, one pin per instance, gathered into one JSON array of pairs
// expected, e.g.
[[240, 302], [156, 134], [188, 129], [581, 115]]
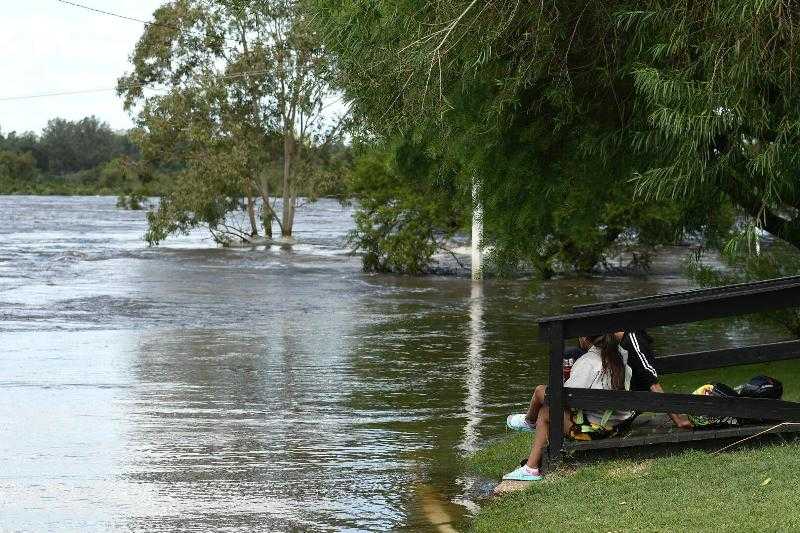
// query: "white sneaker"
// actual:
[[524, 473], [518, 423]]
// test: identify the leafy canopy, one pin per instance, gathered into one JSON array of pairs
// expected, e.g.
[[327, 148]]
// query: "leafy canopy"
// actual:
[[536, 102]]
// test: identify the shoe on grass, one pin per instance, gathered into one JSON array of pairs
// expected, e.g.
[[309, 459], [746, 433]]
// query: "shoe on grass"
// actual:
[[523, 473], [518, 423]]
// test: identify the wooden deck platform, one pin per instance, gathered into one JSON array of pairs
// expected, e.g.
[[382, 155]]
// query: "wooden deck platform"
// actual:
[[658, 429]]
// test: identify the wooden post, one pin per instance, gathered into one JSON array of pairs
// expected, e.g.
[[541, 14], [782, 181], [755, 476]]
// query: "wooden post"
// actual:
[[555, 394]]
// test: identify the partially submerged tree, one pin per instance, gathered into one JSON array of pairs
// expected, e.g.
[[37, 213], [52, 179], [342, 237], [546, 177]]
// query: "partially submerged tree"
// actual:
[[407, 210], [246, 89]]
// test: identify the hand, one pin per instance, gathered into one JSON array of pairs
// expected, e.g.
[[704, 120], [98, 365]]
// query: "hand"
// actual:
[[683, 423]]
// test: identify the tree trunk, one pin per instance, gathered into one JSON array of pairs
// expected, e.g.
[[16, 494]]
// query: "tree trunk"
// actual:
[[287, 226], [251, 212], [266, 211], [288, 198], [477, 233]]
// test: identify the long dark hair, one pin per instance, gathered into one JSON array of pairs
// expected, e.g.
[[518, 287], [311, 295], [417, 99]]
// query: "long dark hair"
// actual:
[[612, 360]]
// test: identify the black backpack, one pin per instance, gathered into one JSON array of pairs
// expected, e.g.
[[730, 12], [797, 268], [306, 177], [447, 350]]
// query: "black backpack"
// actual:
[[761, 387], [721, 390]]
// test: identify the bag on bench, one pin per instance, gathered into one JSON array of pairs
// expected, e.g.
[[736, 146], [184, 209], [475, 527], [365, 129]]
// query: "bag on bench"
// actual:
[[720, 390], [761, 387]]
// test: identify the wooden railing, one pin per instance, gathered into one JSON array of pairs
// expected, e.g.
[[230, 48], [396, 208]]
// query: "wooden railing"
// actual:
[[662, 310]]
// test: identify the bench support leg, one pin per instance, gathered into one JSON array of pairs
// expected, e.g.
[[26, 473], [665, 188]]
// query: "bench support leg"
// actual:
[[555, 396]]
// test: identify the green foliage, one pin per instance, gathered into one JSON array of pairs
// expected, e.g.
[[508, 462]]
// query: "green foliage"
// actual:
[[535, 102], [83, 157], [583, 120], [405, 211], [241, 118], [17, 165], [716, 84], [774, 260], [25, 142], [88, 143]]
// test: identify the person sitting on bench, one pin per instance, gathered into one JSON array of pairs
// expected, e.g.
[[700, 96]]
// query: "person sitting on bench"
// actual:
[[635, 346], [601, 367], [636, 349]]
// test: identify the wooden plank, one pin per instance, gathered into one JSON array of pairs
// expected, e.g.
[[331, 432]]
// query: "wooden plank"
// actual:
[[674, 437], [683, 403], [555, 396], [687, 362], [663, 313], [692, 293]]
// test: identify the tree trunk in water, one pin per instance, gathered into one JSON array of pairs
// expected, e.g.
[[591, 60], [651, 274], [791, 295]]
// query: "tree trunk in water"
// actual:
[[251, 212], [287, 226], [477, 233], [266, 212], [288, 198]]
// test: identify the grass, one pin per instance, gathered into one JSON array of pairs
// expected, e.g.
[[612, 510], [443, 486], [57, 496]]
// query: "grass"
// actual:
[[751, 488]]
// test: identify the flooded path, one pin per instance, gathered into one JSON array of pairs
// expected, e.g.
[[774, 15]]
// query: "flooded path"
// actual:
[[196, 388]]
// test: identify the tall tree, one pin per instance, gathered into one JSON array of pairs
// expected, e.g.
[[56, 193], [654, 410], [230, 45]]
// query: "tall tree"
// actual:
[[245, 85], [586, 120], [530, 99], [72, 146]]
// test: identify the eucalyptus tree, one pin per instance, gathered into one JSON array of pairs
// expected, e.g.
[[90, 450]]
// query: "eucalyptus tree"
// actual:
[[231, 92]]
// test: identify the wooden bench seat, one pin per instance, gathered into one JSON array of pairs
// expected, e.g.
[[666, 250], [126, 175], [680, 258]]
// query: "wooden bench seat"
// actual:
[[658, 429]]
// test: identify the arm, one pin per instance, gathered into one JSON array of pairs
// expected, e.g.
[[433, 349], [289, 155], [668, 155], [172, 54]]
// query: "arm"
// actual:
[[640, 359], [679, 420]]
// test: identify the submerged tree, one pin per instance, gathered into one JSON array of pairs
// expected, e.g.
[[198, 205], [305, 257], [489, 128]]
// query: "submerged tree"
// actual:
[[245, 88], [407, 209]]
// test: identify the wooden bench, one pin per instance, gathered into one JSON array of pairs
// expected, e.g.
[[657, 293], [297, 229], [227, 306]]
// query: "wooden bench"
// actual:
[[662, 310], [651, 429]]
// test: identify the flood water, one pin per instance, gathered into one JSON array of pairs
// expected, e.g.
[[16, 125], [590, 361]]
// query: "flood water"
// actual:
[[197, 388]]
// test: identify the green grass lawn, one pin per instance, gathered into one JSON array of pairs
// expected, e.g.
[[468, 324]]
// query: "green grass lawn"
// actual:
[[751, 488]]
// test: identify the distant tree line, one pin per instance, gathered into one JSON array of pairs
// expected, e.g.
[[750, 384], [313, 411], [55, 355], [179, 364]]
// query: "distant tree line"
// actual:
[[88, 157], [69, 157]]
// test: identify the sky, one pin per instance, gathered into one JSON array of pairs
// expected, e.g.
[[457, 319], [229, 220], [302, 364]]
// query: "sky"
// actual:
[[47, 46]]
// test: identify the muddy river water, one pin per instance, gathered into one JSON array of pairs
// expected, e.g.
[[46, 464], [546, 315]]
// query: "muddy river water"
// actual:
[[189, 387]]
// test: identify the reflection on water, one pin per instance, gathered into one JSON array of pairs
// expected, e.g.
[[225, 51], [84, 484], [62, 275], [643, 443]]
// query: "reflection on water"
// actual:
[[472, 401], [190, 387]]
